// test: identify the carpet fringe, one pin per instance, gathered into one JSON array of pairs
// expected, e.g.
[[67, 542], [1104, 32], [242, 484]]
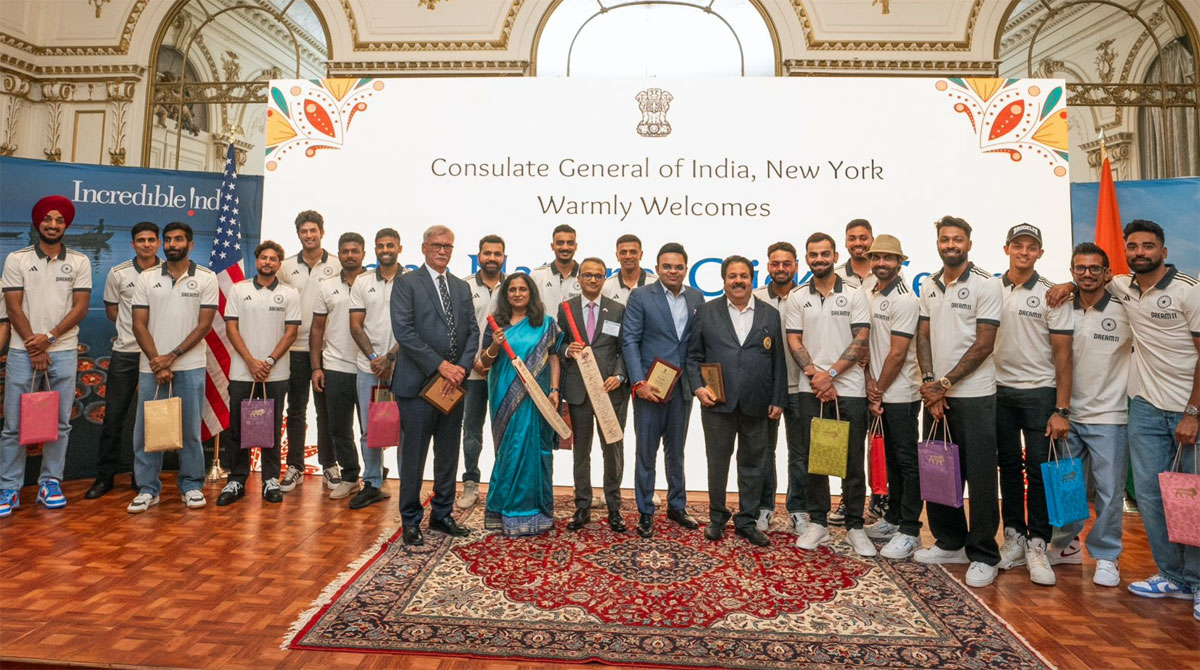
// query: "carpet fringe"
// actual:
[[327, 594], [1012, 631]]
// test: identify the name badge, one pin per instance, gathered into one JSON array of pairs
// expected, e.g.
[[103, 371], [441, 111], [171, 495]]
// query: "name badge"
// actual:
[[611, 328]]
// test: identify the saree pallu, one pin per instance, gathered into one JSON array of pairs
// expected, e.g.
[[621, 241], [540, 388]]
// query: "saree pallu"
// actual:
[[520, 497]]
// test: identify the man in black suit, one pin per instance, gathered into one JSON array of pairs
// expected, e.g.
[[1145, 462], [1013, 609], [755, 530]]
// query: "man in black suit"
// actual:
[[658, 324], [599, 322], [433, 319], [744, 336]]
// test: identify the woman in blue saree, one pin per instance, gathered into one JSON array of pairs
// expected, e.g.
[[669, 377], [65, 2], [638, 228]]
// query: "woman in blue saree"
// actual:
[[520, 498]]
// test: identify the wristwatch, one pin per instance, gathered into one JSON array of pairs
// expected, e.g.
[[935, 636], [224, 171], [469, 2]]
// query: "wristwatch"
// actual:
[[1064, 412], [945, 383], [833, 373], [390, 356], [51, 338], [270, 360], [621, 379], [1191, 410], [372, 357]]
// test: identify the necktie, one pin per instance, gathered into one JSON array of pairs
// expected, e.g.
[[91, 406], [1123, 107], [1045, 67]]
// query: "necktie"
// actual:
[[591, 321], [444, 291]]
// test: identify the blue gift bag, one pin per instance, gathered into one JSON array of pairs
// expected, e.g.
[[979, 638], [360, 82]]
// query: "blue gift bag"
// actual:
[[1066, 490]]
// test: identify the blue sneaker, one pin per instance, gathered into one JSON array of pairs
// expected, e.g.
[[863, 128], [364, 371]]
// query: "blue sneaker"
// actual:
[[9, 501], [51, 495], [1159, 587]]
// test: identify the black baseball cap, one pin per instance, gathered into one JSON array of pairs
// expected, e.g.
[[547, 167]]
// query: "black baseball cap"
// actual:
[[1023, 229]]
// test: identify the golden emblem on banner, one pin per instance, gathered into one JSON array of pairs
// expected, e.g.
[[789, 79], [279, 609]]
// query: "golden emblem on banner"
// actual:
[[654, 103]]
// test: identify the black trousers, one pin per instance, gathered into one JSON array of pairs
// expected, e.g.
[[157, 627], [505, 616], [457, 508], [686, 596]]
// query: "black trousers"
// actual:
[[796, 436], [298, 388], [584, 424], [720, 429], [120, 392], [973, 428], [1023, 412], [900, 435], [422, 423], [854, 485], [341, 405], [237, 458]]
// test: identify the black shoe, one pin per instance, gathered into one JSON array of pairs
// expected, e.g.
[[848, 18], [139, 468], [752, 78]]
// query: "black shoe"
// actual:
[[754, 535], [99, 488], [645, 526], [272, 494], [582, 518], [615, 523], [713, 532], [448, 526], [369, 495], [232, 493], [413, 537], [681, 517]]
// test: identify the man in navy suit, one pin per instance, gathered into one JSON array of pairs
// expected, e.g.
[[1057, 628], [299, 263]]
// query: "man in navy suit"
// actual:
[[433, 319], [658, 324], [743, 335]]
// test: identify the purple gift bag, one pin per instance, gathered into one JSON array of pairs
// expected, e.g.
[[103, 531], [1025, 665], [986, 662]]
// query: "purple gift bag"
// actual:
[[258, 422], [941, 477]]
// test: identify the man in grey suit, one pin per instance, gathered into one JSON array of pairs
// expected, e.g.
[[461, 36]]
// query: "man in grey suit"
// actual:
[[658, 324], [433, 319], [599, 322], [744, 336]]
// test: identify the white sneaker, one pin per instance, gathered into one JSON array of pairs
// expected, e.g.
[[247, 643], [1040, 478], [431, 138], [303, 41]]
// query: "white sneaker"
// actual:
[[799, 522], [141, 503], [814, 536], [764, 520], [863, 546], [469, 496], [980, 575], [1072, 554], [332, 476], [935, 555], [597, 502], [1107, 573], [1012, 552], [881, 530], [344, 489], [194, 499], [291, 479], [900, 547], [655, 500], [1038, 563]]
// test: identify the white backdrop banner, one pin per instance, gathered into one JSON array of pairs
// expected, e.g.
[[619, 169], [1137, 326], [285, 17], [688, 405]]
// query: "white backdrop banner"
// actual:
[[723, 166]]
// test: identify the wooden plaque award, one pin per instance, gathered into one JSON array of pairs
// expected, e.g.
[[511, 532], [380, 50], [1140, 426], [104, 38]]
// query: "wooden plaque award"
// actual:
[[662, 378], [435, 394], [593, 381], [714, 380]]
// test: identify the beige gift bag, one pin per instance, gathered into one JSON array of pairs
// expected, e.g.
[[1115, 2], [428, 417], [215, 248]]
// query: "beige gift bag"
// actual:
[[163, 422]]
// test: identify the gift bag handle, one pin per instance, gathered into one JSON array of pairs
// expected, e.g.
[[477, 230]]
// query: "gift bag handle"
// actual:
[[945, 430], [876, 426], [170, 388], [837, 410], [33, 382], [1195, 459], [254, 385]]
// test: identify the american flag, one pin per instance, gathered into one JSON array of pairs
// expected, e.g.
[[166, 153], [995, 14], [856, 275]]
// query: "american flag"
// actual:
[[226, 262]]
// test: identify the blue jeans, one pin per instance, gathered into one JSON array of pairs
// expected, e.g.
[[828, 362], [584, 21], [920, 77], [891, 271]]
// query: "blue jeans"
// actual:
[[473, 415], [1107, 447], [188, 386], [18, 379], [1152, 449], [372, 468]]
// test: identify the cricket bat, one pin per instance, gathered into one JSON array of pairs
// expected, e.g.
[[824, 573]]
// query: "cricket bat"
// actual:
[[593, 381], [549, 411]]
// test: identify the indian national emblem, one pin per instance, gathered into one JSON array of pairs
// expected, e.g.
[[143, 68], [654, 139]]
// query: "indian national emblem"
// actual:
[[654, 103]]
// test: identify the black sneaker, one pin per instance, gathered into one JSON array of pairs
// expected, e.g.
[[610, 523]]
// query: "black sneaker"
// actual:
[[838, 516], [232, 492], [878, 507], [271, 491], [369, 495]]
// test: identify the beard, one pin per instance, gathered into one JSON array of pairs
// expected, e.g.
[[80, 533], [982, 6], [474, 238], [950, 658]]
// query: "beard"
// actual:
[[387, 260], [49, 240], [953, 259], [490, 267], [821, 272], [175, 255], [1144, 265]]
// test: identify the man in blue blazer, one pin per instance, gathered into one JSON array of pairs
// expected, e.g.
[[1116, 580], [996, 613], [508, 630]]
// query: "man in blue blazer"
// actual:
[[433, 319], [658, 324], [744, 336]]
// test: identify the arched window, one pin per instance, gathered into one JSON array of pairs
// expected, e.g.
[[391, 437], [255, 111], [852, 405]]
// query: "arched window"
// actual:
[[1175, 66], [656, 38], [195, 117]]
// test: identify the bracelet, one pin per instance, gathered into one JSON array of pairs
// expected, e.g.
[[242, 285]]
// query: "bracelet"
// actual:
[[552, 390], [372, 357], [492, 352]]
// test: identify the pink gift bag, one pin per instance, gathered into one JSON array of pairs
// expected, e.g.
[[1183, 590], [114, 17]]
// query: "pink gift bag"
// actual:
[[383, 420], [1181, 501], [39, 414]]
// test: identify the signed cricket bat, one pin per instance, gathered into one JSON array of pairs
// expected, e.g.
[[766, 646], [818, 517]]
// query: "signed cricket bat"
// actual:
[[549, 411], [593, 381]]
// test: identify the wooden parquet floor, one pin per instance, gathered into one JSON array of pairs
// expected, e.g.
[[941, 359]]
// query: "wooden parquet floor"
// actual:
[[92, 586]]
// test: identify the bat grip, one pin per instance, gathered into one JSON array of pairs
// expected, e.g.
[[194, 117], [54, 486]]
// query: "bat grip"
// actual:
[[496, 329], [571, 322]]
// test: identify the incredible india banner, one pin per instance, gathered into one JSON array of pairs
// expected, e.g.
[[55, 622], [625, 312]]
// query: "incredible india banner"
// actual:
[[723, 166]]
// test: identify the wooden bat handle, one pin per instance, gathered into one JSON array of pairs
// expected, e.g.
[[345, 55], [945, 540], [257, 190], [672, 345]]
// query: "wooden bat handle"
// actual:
[[495, 329], [571, 322]]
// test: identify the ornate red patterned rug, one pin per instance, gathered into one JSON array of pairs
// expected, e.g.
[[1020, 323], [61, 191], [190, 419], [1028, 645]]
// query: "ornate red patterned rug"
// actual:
[[675, 600]]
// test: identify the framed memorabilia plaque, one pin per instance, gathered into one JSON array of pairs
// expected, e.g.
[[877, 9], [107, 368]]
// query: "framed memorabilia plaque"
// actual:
[[434, 393], [662, 378], [714, 379]]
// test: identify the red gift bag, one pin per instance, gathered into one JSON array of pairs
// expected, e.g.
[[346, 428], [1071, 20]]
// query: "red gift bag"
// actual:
[[1181, 501], [39, 414], [878, 471], [383, 420]]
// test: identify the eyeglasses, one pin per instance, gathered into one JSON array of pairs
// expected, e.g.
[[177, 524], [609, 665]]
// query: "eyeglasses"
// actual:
[[1088, 269], [438, 246], [591, 277]]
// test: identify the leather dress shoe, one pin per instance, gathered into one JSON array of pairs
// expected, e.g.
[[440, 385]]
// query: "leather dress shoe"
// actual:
[[754, 535], [645, 526], [99, 488], [412, 536], [681, 517], [713, 532], [448, 526], [615, 523], [582, 518], [369, 495]]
